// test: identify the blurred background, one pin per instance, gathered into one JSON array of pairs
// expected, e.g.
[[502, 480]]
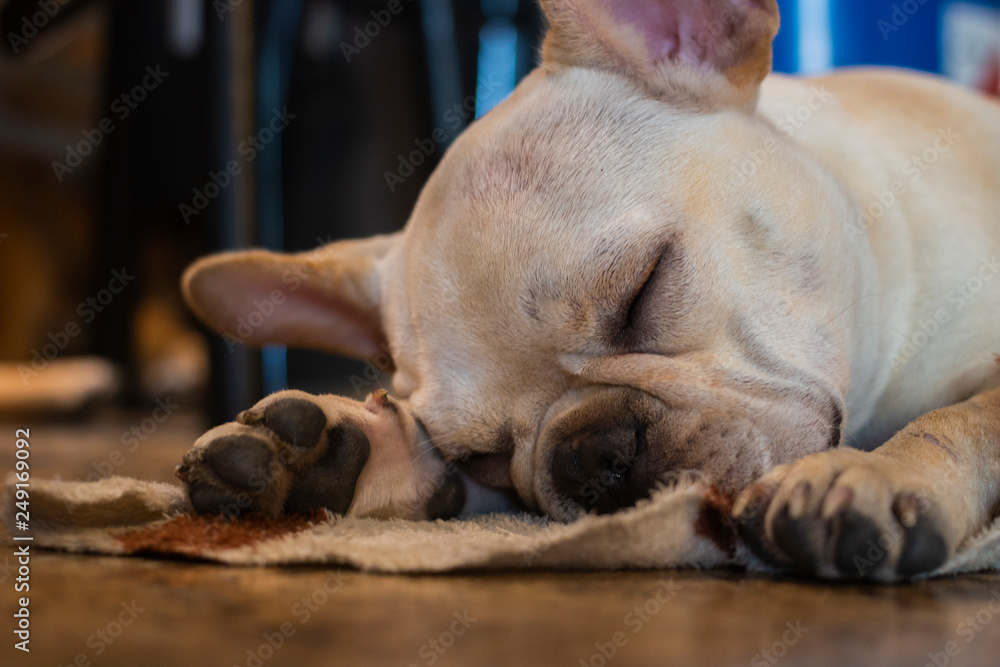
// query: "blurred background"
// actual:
[[136, 136]]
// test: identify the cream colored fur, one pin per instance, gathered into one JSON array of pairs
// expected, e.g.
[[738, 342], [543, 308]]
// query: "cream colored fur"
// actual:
[[813, 240]]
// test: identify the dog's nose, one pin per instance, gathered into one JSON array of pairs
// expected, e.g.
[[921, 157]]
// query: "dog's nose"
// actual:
[[601, 467]]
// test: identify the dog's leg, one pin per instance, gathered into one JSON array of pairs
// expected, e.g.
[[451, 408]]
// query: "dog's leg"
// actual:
[[294, 452], [890, 514]]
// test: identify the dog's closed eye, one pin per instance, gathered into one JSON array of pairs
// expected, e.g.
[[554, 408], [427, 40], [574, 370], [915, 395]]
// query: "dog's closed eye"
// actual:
[[631, 314]]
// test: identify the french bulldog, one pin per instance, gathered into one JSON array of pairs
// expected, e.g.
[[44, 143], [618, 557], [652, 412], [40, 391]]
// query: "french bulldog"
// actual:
[[654, 257]]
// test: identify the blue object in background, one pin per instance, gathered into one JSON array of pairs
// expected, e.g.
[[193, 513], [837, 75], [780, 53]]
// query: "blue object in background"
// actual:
[[804, 43], [951, 37], [903, 33], [929, 35], [498, 51]]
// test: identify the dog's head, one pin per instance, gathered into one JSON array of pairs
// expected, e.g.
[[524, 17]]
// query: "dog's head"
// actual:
[[588, 294]]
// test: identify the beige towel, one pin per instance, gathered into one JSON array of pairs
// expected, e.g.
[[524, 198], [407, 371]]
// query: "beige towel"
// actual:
[[677, 527]]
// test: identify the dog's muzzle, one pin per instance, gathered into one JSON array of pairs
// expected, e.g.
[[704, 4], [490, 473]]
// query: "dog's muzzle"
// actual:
[[603, 467], [595, 453]]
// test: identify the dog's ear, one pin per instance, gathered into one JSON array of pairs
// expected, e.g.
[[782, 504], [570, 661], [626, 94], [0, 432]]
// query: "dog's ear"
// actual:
[[706, 53], [326, 299]]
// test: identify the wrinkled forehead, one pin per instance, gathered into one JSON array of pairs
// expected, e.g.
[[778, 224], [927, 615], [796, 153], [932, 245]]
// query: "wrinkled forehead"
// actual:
[[546, 175], [518, 210], [564, 162]]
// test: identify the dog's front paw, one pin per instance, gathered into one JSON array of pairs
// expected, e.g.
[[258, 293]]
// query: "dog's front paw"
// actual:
[[283, 455], [846, 514]]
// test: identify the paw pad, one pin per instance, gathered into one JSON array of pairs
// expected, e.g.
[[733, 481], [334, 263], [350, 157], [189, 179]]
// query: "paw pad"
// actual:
[[279, 458]]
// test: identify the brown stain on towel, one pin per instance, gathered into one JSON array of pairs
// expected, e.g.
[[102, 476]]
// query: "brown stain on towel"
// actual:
[[190, 534], [714, 521]]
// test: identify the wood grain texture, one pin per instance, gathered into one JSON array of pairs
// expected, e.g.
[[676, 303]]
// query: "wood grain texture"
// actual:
[[200, 614]]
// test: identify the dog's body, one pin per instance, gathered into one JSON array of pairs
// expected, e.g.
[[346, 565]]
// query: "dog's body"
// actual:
[[925, 180], [631, 267]]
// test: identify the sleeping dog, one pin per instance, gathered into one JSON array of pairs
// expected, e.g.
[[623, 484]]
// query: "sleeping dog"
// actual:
[[655, 257]]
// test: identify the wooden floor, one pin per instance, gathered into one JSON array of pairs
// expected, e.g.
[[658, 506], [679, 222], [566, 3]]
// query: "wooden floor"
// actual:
[[108, 611]]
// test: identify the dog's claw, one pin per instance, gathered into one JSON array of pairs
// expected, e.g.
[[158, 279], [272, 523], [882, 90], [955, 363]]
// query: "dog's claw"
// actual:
[[797, 503], [907, 509], [845, 514]]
